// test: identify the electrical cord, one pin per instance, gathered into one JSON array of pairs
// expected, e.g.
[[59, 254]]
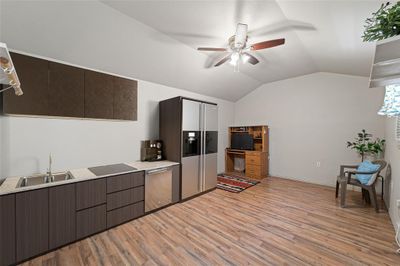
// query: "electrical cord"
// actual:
[[7, 88]]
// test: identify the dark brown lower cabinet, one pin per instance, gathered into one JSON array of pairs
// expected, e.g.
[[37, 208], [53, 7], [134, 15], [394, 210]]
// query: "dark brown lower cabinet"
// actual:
[[90, 221], [7, 230], [36, 221], [176, 184], [125, 197], [62, 210], [124, 214], [90, 193], [121, 182], [32, 223]]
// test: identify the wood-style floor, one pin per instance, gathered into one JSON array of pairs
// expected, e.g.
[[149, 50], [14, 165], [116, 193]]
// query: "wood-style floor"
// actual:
[[276, 222]]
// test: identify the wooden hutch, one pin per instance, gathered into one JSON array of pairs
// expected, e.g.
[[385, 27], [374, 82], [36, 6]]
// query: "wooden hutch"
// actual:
[[255, 160]]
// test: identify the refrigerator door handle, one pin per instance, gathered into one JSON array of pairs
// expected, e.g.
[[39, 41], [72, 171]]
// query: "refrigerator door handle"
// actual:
[[200, 181], [204, 146]]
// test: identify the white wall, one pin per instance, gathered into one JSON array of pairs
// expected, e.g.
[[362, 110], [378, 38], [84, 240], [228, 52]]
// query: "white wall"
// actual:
[[310, 118], [392, 155], [106, 40], [26, 142]]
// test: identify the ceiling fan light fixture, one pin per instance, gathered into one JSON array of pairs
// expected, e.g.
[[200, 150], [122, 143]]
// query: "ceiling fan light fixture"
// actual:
[[245, 58], [234, 58], [239, 50]]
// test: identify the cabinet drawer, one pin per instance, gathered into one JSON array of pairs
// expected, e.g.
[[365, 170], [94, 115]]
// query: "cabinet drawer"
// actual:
[[124, 214], [253, 159], [254, 170], [90, 221], [121, 182], [125, 197], [90, 193]]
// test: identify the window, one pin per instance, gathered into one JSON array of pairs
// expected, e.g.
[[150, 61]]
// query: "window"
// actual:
[[391, 103]]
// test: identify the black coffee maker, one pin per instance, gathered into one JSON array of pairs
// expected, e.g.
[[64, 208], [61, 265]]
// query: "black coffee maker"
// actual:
[[151, 150]]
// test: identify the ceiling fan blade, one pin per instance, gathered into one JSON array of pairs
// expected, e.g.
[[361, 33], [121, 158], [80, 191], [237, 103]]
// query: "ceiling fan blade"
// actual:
[[252, 60], [240, 35], [267, 44], [223, 60], [211, 49]]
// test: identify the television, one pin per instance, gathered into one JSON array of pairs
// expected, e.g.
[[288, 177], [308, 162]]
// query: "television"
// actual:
[[242, 141]]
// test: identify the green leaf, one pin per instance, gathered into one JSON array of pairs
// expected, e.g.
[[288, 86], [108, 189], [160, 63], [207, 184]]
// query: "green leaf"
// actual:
[[380, 25]]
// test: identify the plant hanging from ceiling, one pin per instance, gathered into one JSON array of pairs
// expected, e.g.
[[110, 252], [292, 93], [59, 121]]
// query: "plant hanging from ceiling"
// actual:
[[383, 24]]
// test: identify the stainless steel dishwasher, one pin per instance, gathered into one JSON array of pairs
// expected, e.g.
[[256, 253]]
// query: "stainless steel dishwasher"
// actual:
[[158, 188]]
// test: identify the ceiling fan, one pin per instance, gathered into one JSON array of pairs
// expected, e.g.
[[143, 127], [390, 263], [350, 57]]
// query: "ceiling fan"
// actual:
[[239, 49]]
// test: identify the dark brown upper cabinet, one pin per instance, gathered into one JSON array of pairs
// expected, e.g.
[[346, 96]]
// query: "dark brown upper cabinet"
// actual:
[[54, 89], [66, 90], [98, 95], [33, 75], [125, 99]]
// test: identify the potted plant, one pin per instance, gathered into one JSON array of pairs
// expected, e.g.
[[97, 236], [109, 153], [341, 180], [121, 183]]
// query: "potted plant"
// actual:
[[384, 23], [364, 145]]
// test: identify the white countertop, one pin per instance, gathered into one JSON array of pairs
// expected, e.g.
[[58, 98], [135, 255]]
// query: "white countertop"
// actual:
[[10, 184]]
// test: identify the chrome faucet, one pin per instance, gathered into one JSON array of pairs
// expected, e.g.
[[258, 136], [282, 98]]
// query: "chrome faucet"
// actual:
[[49, 175]]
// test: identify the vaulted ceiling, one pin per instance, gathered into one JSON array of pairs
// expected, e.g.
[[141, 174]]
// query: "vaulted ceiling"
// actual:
[[157, 40], [321, 36]]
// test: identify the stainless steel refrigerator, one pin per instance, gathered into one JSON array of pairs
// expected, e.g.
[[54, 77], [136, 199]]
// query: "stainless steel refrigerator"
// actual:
[[199, 147], [189, 131]]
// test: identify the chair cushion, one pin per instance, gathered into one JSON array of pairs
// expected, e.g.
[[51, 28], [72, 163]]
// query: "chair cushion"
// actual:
[[367, 166]]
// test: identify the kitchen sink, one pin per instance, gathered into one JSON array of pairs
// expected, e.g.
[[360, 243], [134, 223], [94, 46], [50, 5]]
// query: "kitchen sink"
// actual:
[[43, 179]]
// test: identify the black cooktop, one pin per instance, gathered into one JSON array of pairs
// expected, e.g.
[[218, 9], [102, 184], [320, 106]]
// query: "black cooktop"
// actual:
[[111, 169]]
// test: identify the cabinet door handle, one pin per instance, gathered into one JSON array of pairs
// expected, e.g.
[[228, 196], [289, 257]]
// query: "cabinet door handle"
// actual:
[[157, 171]]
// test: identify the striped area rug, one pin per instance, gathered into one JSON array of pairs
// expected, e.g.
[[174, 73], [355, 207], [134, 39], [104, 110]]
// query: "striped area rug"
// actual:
[[234, 184]]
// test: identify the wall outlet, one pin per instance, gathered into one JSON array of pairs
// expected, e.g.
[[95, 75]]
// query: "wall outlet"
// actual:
[[398, 203], [318, 164]]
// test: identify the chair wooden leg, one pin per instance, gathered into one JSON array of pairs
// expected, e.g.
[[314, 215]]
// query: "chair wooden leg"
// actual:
[[372, 194], [337, 188], [343, 188]]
